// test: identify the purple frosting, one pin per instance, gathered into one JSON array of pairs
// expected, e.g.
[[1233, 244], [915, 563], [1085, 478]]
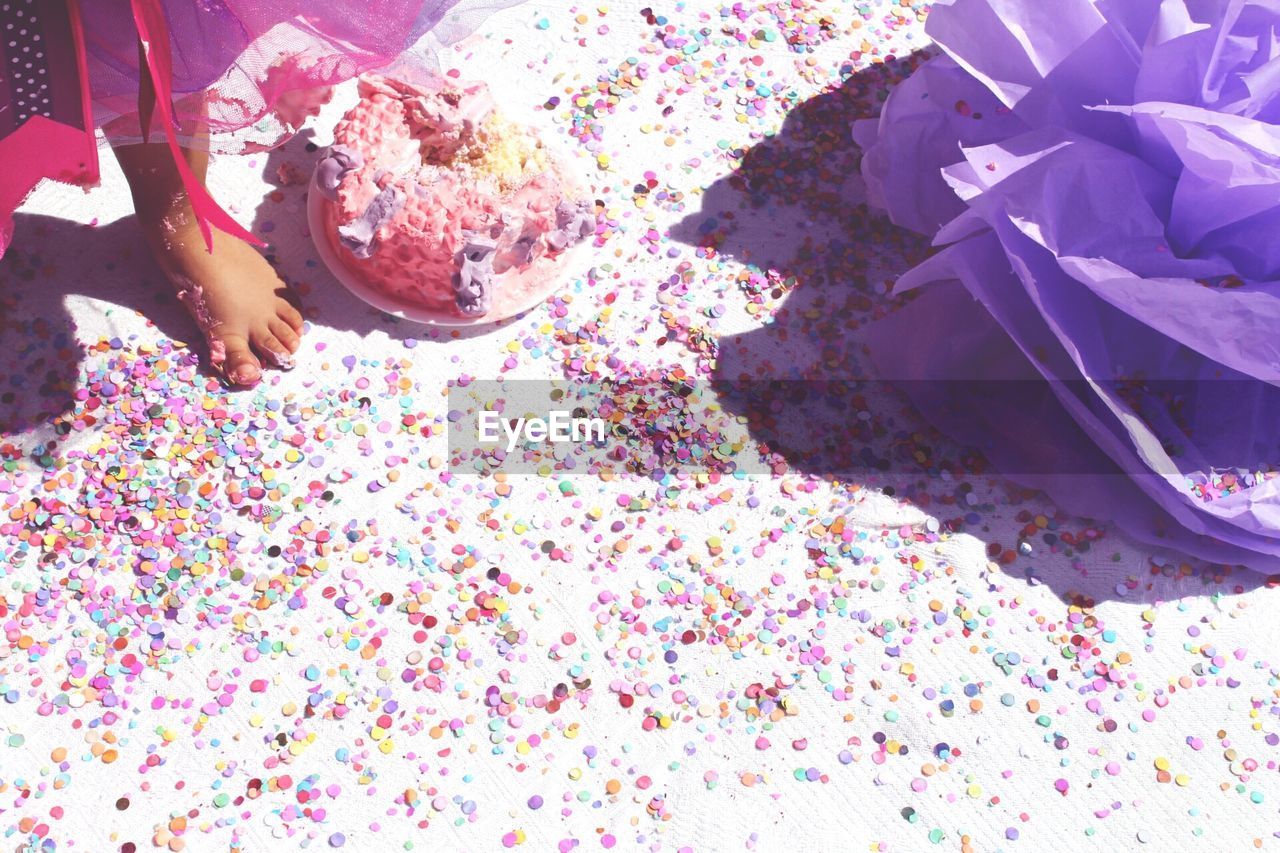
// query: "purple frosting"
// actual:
[[519, 251], [473, 282], [337, 163], [360, 235], [574, 223]]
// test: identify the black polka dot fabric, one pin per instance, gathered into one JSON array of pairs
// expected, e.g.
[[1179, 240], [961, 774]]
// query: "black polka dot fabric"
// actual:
[[26, 61], [41, 75]]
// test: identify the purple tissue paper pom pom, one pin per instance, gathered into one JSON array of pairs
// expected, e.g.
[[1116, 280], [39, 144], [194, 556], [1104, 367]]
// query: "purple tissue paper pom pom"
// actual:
[[1102, 182]]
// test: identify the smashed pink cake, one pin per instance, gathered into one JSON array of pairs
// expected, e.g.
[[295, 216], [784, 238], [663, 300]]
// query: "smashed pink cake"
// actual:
[[434, 199]]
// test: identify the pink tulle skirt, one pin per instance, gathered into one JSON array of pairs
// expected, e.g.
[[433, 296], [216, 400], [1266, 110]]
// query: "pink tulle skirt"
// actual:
[[248, 71], [255, 67]]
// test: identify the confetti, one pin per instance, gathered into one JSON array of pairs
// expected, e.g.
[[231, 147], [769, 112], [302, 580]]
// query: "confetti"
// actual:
[[289, 614]]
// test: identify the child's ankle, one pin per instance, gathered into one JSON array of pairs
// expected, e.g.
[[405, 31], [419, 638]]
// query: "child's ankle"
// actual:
[[173, 221]]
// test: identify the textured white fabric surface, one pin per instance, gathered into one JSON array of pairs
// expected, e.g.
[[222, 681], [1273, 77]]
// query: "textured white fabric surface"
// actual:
[[717, 778]]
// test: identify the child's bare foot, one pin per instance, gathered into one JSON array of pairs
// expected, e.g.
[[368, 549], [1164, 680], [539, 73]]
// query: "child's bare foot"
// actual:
[[234, 295]]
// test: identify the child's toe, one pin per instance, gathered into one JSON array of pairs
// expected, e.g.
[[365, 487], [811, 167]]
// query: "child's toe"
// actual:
[[285, 333], [290, 315], [272, 348], [239, 364]]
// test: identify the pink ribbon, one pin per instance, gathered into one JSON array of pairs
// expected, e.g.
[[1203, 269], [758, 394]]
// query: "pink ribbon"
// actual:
[[153, 32]]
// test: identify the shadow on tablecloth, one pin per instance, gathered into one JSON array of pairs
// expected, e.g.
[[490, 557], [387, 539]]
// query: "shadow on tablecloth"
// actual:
[[820, 265]]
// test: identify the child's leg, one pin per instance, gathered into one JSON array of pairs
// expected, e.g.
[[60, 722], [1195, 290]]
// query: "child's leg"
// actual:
[[233, 293]]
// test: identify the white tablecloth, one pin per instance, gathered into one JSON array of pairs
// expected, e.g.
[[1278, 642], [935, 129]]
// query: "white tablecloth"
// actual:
[[844, 673]]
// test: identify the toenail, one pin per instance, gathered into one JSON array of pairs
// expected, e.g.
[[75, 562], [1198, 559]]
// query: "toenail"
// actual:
[[282, 360]]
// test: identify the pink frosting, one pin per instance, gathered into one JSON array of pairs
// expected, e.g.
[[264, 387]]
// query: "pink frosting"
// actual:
[[407, 221]]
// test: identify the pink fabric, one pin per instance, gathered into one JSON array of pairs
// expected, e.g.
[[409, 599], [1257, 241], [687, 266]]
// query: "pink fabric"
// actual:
[[47, 130], [258, 68], [46, 149]]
